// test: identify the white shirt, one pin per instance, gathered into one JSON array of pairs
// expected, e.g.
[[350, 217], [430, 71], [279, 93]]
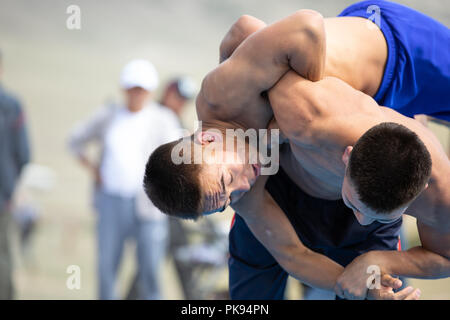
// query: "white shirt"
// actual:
[[128, 138]]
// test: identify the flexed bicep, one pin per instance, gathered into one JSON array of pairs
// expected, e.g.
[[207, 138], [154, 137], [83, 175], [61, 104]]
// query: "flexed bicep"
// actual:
[[436, 241], [259, 61], [293, 101], [239, 31], [297, 42]]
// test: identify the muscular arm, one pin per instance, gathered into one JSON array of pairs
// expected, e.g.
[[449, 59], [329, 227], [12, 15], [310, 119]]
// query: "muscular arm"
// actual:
[[308, 111], [432, 210], [418, 262], [293, 100], [296, 42], [239, 31], [272, 228]]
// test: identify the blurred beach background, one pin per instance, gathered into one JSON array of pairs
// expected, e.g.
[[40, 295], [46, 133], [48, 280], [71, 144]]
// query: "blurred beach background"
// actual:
[[63, 75]]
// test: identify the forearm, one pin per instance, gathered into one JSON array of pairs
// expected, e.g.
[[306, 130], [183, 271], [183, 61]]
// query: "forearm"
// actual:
[[312, 268], [271, 227], [416, 262], [300, 262]]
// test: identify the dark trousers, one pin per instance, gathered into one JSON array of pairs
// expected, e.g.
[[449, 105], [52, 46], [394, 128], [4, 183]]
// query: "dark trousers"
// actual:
[[327, 227], [6, 285]]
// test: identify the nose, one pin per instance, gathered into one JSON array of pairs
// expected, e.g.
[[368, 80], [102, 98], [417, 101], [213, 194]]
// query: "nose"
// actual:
[[362, 219]]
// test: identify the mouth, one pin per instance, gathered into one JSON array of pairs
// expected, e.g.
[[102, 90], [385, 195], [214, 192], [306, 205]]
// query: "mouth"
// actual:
[[256, 170]]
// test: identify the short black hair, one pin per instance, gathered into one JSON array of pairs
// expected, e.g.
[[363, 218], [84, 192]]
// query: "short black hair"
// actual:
[[173, 188], [389, 166]]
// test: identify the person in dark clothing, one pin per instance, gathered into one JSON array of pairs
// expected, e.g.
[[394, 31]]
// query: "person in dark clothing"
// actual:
[[14, 154]]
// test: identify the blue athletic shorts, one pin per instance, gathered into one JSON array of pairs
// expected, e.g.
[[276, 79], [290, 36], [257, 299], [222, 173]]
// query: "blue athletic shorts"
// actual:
[[417, 74]]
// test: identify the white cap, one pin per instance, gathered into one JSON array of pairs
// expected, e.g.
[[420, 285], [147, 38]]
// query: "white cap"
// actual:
[[139, 73]]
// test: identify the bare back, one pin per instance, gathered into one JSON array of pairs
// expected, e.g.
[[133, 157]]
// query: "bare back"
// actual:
[[322, 118], [320, 124], [356, 52]]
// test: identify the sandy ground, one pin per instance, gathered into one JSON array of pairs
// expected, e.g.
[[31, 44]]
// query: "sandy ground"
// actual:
[[62, 75]]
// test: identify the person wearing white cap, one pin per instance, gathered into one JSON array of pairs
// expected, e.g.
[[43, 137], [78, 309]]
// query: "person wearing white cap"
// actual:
[[127, 134], [141, 74], [176, 94]]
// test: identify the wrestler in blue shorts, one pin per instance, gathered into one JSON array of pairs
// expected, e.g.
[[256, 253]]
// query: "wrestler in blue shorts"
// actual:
[[416, 80]]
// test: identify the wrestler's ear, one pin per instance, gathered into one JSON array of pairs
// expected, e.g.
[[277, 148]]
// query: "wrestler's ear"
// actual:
[[205, 137], [346, 155]]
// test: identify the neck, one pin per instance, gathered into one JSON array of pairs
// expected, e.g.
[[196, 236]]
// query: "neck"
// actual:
[[135, 108]]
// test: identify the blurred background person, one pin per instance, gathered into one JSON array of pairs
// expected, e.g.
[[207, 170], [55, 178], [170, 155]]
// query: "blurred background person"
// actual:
[[127, 134], [177, 93], [14, 154]]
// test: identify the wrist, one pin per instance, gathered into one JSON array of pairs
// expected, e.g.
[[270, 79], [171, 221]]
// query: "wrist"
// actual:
[[381, 260]]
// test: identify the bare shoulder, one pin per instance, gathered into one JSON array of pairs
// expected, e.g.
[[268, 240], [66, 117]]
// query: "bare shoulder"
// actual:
[[332, 87], [433, 205], [203, 108], [431, 208], [436, 239], [362, 66], [340, 89], [436, 150], [325, 110], [327, 97]]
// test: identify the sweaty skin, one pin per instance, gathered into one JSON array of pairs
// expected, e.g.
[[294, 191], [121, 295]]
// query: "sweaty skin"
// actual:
[[234, 93], [320, 119], [304, 42]]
